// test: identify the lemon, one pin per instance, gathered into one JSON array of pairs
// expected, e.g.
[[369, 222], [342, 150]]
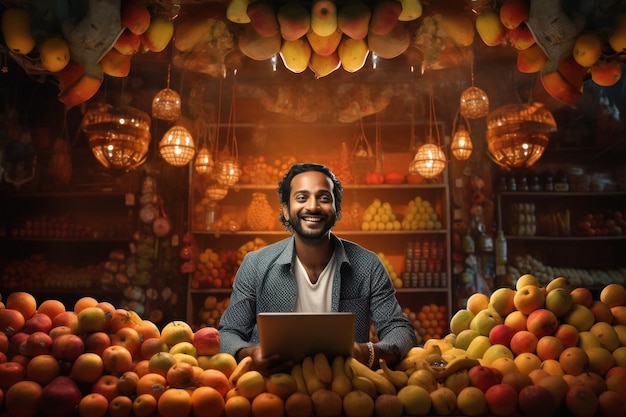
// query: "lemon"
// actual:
[[54, 53]]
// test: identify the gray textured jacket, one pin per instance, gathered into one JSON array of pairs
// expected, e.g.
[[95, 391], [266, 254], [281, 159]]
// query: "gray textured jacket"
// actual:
[[265, 282]]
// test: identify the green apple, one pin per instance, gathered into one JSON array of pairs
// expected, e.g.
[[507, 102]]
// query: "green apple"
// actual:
[[485, 320]]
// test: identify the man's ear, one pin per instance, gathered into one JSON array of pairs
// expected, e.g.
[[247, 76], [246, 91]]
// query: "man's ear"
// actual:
[[285, 211]]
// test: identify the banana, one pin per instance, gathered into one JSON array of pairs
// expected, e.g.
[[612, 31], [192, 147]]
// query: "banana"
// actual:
[[453, 366], [383, 386], [311, 380], [360, 383], [296, 373], [340, 383], [397, 378], [416, 355], [242, 367], [322, 368]]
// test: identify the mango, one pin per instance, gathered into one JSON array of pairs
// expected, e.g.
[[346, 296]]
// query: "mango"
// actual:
[[296, 55], [606, 73], [16, 26], [617, 39], [353, 53], [115, 64], [324, 45], [490, 28], [324, 65], [411, 10], [353, 19], [75, 86], [514, 12], [135, 16], [458, 27], [385, 16], [54, 53], [587, 48], [323, 17], [521, 37], [237, 11], [127, 43], [159, 34], [392, 44], [558, 87], [263, 18], [294, 20], [531, 59], [258, 47]]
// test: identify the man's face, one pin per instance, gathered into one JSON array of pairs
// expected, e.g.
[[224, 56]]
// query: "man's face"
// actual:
[[311, 212]]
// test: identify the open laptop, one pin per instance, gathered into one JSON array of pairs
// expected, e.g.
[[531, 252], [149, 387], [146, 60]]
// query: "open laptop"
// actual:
[[296, 335]]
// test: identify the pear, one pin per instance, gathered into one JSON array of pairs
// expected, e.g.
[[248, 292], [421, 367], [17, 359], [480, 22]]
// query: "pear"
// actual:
[[324, 17], [353, 19], [296, 55], [353, 54]]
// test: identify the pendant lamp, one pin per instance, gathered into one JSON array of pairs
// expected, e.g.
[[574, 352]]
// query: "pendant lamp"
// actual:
[[461, 145], [474, 102], [119, 137], [429, 160], [227, 170], [177, 146], [166, 104]]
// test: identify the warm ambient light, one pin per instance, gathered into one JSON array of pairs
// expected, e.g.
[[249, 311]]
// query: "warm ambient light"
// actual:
[[177, 146], [474, 103], [204, 161], [429, 161], [118, 137], [517, 134], [461, 145]]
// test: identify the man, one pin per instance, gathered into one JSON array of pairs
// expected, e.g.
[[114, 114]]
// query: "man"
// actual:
[[314, 271]]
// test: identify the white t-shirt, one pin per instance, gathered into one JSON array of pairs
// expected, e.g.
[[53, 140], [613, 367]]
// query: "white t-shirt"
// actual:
[[314, 297]]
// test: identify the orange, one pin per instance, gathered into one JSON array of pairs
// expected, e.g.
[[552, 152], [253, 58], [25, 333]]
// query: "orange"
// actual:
[[206, 402], [22, 398], [43, 369], [141, 367], [477, 302], [93, 405], [216, 380], [144, 405], [174, 402], [84, 302], [151, 383], [23, 302], [51, 308], [88, 367], [574, 360], [148, 330], [237, 406], [299, 404], [267, 405], [619, 315], [581, 401], [11, 321], [120, 406]]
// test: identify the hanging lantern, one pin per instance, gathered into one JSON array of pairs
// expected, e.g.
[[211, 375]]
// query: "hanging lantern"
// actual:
[[204, 161], [429, 161], [517, 134], [474, 102], [461, 145], [166, 103], [227, 169], [216, 191], [118, 137], [177, 146]]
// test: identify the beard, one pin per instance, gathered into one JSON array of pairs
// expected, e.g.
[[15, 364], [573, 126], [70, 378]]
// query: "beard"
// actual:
[[297, 226]]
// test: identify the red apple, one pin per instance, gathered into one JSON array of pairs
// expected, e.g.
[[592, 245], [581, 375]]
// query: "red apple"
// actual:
[[583, 296], [615, 379], [542, 322], [567, 334], [483, 377], [60, 397], [96, 342], [501, 334], [206, 341], [67, 347], [38, 322], [501, 400], [536, 401], [17, 343], [38, 343], [523, 342], [127, 337], [10, 373]]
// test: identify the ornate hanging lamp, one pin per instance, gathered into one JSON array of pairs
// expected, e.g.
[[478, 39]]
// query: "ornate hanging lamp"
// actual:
[[429, 160], [119, 137], [474, 102], [177, 146], [517, 134], [461, 145], [166, 104], [227, 170]]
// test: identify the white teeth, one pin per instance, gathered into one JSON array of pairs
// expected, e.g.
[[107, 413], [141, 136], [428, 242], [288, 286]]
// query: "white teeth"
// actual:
[[311, 219]]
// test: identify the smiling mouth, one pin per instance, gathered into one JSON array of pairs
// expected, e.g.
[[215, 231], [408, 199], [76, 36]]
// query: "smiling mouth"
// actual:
[[312, 219]]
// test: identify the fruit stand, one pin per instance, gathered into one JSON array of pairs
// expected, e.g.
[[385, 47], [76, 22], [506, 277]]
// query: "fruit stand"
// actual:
[[523, 351]]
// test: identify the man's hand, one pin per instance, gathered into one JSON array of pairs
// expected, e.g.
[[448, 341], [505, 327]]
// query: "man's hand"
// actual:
[[266, 365]]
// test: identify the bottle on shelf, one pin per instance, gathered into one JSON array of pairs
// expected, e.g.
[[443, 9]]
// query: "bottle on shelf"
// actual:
[[500, 247]]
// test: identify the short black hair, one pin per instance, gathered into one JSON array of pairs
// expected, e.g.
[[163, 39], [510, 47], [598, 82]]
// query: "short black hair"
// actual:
[[284, 186]]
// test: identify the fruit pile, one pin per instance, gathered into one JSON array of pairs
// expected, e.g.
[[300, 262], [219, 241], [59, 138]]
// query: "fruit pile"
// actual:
[[421, 215], [211, 310], [215, 270], [523, 351], [397, 281], [258, 170], [379, 216]]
